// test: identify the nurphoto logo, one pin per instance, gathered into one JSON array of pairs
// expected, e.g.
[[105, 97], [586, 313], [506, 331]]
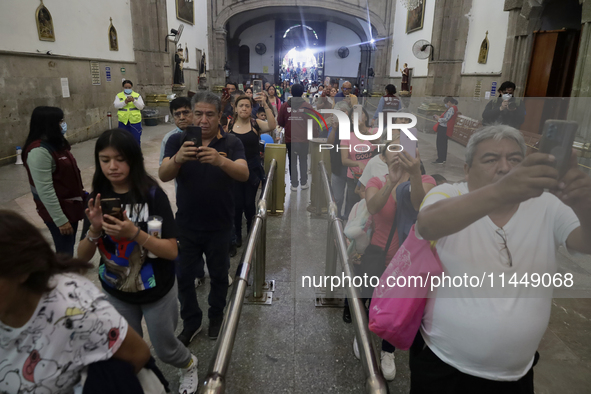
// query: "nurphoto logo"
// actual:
[[345, 128]]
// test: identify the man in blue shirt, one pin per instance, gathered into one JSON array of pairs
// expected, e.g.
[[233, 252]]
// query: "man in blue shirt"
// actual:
[[205, 177]]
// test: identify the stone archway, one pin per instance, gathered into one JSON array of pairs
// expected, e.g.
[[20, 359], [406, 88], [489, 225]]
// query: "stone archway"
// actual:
[[380, 13]]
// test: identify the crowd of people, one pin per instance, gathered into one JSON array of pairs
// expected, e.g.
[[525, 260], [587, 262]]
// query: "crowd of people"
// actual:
[[49, 312]]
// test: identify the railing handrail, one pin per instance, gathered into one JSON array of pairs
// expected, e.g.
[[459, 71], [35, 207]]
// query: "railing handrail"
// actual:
[[215, 381], [375, 382]]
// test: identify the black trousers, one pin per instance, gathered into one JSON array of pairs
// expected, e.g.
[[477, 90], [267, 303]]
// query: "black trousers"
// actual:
[[430, 375], [295, 151], [245, 194], [441, 143]]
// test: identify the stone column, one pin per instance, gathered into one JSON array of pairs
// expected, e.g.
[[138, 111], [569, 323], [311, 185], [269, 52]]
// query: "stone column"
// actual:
[[381, 64], [149, 28], [217, 55], [450, 35], [579, 107]]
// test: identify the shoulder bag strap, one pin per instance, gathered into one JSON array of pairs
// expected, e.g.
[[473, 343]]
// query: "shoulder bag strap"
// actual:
[[392, 231]]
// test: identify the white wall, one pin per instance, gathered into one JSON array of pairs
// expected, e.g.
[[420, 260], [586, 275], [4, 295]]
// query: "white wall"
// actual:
[[81, 28], [265, 33], [338, 36], [194, 36], [402, 42], [486, 16]]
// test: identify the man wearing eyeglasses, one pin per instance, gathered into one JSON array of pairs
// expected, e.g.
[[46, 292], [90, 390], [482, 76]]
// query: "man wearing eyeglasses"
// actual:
[[345, 89], [499, 222]]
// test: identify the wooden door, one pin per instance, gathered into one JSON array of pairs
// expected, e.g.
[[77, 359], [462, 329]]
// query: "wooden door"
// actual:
[[551, 74]]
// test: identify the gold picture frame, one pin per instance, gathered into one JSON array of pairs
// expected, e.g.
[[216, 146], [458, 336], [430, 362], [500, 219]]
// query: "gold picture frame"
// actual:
[[185, 11], [415, 18], [44, 21], [113, 40]]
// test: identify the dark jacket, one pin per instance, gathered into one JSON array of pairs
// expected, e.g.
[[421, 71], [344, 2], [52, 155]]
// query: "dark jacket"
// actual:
[[492, 113]]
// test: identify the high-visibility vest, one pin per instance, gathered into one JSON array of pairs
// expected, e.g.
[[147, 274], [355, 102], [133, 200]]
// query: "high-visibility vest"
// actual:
[[129, 113]]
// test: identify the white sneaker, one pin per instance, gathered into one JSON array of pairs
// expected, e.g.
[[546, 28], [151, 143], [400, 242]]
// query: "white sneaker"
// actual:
[[306, 186], [189, 378], [230, 280], [356, 348], [294, 188], [388, 366]]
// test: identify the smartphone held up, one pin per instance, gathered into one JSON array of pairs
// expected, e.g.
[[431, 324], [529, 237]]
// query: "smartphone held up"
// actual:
[[557, 139]]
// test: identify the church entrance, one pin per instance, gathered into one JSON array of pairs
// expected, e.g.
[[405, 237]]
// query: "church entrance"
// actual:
[[553, 62]]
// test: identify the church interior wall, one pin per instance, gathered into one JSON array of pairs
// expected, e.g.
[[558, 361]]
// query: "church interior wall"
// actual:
[[194, 35], [338, 36], [402, 43], [260, 33], [81, 28], [486, 16], [28, 81]]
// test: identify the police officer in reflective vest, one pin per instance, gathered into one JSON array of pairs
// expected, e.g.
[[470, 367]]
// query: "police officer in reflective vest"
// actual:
[[129, 106]]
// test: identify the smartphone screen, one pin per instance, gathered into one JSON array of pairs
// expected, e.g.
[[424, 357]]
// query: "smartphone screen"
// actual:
[[112, 207], [557, 139], [409, 145], [193, 134], [257, 86]]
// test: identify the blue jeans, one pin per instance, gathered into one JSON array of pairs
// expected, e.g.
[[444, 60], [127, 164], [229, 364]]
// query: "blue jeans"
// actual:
[[135, 129], [338, 184], [63, 243], [215, 245]]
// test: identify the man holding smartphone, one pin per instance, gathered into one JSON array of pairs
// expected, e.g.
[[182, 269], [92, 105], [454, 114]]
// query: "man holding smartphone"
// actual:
[[205, 198], [505, 109], [500, 222]]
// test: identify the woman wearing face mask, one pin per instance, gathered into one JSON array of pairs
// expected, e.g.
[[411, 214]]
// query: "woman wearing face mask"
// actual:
[[445, 128], [129, 106], [54, 177]]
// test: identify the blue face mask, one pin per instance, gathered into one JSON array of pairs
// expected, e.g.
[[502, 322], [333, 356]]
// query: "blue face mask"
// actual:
[[64, 127], [127, 91]]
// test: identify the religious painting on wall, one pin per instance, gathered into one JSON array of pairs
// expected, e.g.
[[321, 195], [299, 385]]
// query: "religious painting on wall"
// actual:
[[483, 55], [113, 42], [44, 23], [185, 11], [415, 18]]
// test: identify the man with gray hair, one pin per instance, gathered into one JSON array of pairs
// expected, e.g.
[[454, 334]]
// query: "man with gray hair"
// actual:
[[205, 199], [501, 223]]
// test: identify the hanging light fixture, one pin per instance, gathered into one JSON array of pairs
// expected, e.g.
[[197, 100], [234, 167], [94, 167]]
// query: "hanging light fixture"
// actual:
[[411, 4]]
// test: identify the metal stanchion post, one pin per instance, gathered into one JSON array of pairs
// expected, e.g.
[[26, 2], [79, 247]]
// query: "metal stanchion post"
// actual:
[[110, 117]]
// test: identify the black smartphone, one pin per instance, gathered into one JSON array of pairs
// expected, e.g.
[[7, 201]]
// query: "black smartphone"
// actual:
[[112, 207], [557, 139], [193, 134]]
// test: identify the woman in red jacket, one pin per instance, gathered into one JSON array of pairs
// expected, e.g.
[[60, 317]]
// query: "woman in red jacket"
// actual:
[[445, 128], [54, 177]]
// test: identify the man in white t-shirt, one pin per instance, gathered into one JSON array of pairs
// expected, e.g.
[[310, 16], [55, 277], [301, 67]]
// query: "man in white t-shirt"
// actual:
[[499, 223]]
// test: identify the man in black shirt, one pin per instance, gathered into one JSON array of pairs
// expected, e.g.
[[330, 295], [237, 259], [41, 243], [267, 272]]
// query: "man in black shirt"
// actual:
[[205, 176]]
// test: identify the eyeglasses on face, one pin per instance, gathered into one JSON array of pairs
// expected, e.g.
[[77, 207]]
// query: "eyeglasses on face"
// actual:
[[505, 252]]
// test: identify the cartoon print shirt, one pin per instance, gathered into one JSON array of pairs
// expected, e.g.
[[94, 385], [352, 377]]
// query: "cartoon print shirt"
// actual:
[[72, 327], [361, 150], [125, 270]]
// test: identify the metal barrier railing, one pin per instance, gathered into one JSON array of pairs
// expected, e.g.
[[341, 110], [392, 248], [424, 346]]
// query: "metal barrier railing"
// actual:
[[375, 382], [215, 380]]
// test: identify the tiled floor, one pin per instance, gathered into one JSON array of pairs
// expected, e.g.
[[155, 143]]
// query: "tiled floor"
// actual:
[[293, 347]]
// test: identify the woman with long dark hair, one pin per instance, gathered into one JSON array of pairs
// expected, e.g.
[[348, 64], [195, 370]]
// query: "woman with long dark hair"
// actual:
[[53, 321], [54, 177], [136, 267], [249, 131]]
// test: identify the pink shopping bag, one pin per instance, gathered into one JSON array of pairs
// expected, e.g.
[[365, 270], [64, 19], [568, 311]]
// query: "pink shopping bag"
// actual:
[[399, 300]]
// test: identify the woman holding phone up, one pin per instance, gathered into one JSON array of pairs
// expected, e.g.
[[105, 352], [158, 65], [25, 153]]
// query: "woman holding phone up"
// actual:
[[382, 203], [136, 269], [248, 131]]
